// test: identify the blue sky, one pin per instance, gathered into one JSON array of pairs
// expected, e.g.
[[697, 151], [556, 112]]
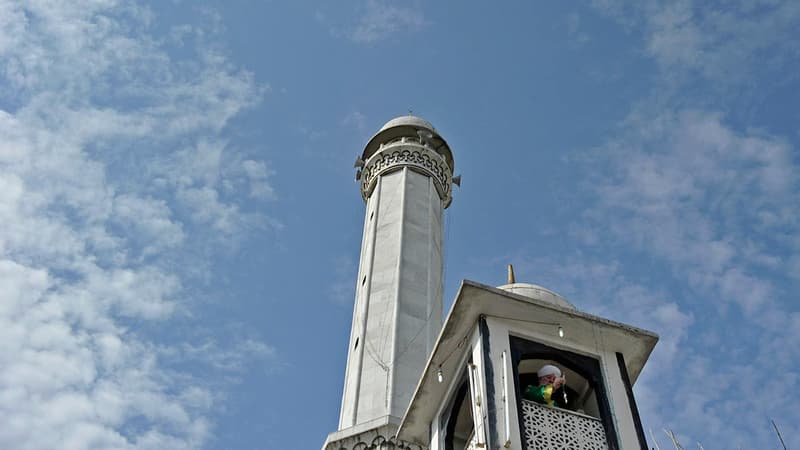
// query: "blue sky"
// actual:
[[179, 225]]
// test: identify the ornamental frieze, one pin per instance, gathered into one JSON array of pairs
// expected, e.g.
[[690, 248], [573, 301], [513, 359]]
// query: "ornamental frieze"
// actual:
[[412, 155], [378, 442]]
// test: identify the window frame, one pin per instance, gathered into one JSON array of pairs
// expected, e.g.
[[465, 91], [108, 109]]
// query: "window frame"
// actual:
[[586, 366]]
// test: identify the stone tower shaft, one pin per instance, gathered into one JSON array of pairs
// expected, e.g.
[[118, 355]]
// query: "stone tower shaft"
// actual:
[[406, 180]]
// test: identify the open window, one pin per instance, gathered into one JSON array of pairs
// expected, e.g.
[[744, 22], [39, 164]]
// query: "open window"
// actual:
[[577, 394], [581, 420], [462, 422], [458, 424]]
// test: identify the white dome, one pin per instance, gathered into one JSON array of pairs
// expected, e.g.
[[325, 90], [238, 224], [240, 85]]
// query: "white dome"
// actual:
[[409, 120], [537, 292], [408, 126]]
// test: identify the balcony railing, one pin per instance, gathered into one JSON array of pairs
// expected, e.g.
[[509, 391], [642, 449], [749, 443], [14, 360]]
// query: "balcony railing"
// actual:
[[553, 428]]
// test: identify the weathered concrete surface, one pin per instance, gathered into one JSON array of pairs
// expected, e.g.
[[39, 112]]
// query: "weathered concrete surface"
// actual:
[[398, 307]]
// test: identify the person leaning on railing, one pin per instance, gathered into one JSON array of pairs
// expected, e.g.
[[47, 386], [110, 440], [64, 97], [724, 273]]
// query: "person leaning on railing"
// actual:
[[550, 380]]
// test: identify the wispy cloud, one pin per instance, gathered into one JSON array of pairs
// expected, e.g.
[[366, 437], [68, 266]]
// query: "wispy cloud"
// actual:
[[601, 286], [230, 357], [718, 42], [358, 121], [111, 158], [699, 209], [691, 190], [710, 207], [574, 30], [342, 289], [377, 20], [382, 19]]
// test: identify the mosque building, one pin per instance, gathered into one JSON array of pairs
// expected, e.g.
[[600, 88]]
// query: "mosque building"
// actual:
[[513, 367]]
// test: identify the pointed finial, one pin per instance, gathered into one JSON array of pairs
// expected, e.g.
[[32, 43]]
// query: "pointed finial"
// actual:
[[511, 274]]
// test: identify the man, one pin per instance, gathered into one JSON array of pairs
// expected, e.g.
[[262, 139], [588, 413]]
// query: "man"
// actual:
[[550, 380]]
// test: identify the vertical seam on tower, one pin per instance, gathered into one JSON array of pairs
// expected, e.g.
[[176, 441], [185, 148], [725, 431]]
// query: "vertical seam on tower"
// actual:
[[353, 359], [352, 355], [431, 301], [390, 377], [365, 295]]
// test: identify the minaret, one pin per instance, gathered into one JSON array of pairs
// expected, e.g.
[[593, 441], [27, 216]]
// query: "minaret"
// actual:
[[406, 176]]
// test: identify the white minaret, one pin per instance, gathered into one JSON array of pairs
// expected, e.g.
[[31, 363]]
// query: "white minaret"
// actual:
[[406, 177]]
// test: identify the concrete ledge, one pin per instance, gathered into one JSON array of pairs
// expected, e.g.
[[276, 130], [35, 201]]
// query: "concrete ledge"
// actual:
[[377, 433]]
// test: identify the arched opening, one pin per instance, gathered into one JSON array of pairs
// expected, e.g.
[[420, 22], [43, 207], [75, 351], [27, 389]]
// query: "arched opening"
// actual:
[[586, 405], [458, 423], [577, 394]]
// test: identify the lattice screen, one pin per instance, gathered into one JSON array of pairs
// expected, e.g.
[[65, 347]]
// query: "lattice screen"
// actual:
[[553, 429]]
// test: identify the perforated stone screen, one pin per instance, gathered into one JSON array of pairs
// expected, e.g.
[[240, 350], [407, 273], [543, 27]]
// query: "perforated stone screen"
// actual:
[[554, 429]]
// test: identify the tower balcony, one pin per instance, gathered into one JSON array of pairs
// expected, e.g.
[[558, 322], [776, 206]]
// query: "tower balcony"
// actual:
[[548, 427], [417, 154]]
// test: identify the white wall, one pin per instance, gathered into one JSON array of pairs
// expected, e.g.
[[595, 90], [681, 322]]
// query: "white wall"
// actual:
[[398, 310], [499, 331]]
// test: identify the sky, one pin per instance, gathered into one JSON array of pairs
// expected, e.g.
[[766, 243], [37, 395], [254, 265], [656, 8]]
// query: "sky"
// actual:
[[180, 226]]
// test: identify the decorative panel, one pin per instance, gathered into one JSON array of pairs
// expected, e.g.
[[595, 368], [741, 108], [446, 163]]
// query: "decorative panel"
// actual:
[[549, 428], [378, 442], [408, 152]]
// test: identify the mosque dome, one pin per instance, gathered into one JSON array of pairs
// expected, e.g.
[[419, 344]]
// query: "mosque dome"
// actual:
[[537, 292], [409, 120]]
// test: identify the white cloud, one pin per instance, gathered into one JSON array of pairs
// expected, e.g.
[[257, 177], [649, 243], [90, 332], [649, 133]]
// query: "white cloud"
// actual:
[[205, 176], [703, 204], [342, 288], [111, 156], [602, 288], [700, 208], [687, 188], [382, 19], [357, 120], [150, 220], [258, 177], [230, 357], [726, 43], [576, 34], [70, 377], [377, 20]]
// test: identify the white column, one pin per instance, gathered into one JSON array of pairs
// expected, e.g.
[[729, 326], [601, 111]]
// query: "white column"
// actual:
[[398, 307]]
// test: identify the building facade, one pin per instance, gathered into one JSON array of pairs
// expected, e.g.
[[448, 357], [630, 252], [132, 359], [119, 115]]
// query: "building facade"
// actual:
[[406, 177], [413, 382]]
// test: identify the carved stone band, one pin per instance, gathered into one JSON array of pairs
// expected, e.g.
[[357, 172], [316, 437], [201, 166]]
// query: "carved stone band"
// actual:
[[379, 442], [415, 156]]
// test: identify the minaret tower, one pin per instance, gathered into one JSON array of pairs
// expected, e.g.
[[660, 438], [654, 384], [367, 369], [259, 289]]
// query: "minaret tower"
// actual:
[[406, 177]]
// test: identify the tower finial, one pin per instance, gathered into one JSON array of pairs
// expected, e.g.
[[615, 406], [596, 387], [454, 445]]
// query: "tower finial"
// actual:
[[511, 274]]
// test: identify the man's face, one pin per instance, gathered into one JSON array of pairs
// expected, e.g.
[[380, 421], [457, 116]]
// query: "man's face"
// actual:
[[547, 379]]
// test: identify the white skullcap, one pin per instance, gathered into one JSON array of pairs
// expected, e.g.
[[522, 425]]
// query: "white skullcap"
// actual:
[[548, 370]]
